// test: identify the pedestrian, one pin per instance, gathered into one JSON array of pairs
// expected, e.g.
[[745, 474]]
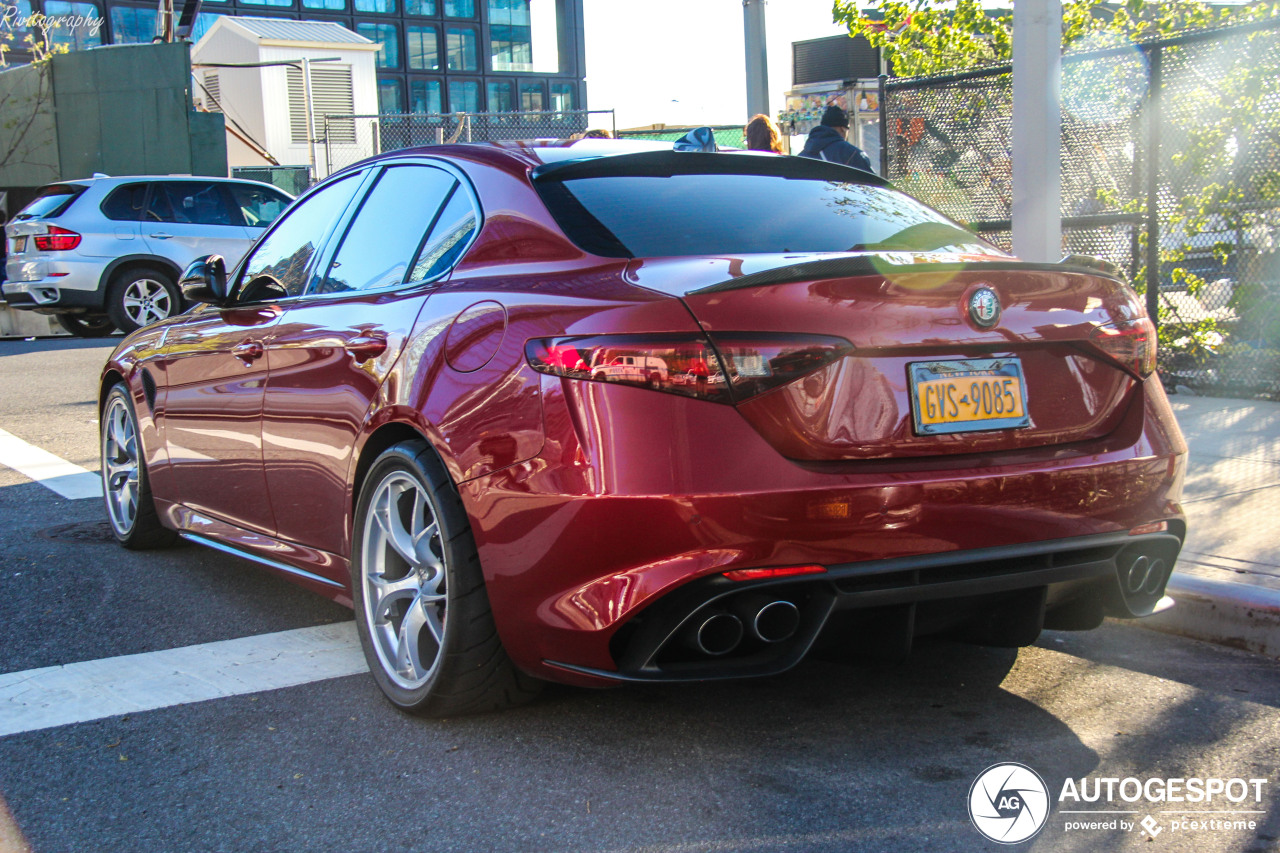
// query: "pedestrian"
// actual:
[[827, 141], [762, 134]]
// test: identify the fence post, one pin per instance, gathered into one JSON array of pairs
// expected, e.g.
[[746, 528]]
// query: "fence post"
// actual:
[[884, 128], [1153, 186]]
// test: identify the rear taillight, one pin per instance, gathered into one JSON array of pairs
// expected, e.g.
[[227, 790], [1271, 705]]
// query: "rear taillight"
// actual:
[[57, 240], [1132, 343], [724, 369]]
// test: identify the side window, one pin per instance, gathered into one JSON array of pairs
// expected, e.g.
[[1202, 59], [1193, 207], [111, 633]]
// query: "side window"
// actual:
[[287, 252], [385, 233], [448, 238], [259, 206], [125, 203], [189, 203]]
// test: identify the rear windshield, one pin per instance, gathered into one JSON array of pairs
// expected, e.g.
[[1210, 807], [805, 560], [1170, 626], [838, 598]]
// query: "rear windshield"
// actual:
[[51, 201], [734, 214]]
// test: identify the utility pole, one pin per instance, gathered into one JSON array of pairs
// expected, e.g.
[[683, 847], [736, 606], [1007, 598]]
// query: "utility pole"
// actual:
[[1037, 130], [757, 59]]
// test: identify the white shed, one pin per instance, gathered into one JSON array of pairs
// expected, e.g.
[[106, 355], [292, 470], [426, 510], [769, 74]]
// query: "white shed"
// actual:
[[266, 105]]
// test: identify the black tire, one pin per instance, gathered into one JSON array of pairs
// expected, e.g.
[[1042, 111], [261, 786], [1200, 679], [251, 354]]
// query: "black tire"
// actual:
[[86, 325], [441, 587], [126, 489], [140, 296]]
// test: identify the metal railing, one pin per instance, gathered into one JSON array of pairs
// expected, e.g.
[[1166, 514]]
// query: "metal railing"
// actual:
[[351, 138]]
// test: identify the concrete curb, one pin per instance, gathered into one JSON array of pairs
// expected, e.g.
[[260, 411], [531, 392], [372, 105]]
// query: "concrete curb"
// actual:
[[1229, 614]]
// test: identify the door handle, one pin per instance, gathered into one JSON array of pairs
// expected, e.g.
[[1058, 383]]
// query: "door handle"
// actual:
[[365, 347], [161, 236], [248, 351]]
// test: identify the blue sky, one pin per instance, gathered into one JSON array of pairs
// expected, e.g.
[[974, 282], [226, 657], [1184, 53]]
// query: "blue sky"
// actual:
[[682, 61]]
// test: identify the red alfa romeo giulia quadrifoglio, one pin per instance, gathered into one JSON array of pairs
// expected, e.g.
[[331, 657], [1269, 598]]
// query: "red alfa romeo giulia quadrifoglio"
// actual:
[[605, 412]]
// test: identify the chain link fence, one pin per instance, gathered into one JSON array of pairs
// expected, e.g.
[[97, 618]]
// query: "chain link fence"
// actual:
[[350, 138], [1170, 169]]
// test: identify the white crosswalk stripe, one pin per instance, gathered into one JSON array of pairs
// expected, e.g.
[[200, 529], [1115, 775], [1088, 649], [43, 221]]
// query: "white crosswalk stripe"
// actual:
[[70, 481]]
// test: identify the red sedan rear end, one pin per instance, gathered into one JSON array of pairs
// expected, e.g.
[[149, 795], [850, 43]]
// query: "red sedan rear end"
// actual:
[[700, 414]]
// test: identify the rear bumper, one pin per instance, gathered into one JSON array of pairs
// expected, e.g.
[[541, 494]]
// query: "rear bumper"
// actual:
[[1090, 574], [641, 501], [50, 296]]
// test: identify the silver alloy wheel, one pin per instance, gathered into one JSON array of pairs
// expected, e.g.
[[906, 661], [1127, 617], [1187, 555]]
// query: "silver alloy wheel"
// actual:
[[403, 573], [146, 300], [120, 465]]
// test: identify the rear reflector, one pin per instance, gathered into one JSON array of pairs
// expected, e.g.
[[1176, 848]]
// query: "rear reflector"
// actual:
[[727, 368], [1153, 527], [57, 240], [1132, 343], [780, 572]]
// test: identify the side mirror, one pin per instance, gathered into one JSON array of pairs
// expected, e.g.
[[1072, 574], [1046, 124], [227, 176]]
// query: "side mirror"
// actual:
[[205, 281]]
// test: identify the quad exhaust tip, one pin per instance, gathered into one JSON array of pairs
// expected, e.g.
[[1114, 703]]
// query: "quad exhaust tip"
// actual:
[[716, 633], [773, 621]]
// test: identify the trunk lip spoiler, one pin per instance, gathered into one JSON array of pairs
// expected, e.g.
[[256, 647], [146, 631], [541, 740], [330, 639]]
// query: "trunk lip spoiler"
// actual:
[[878, 264]]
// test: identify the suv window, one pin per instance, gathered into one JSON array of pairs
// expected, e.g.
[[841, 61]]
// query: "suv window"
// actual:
[[448, 238], [51, 201], [125, 203], [388, 229], [287, 252], [259, 206], [721, 214], [189, 202]]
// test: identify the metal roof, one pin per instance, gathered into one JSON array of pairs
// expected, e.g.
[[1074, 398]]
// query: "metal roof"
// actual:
[[279, 29]]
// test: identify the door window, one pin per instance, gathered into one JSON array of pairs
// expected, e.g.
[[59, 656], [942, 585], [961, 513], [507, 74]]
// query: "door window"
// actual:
[[449, 237], [387, 230], [125, 203], [189, 203], [287, 252], [259, 206]]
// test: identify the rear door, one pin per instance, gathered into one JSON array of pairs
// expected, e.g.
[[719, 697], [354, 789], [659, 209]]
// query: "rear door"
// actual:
[[334, 347], [185, 220]]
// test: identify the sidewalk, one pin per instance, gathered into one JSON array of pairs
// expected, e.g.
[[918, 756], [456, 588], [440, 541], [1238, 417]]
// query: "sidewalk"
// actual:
[[1227, 581]]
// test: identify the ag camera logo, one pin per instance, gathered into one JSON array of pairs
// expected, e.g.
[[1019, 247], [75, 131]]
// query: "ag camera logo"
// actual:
[[1008, 803]]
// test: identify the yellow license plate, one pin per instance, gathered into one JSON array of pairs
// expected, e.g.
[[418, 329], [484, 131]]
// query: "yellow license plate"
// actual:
[[19, 244], [967, 396]]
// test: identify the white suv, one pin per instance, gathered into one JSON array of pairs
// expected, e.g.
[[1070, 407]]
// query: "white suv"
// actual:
[[106, 253]]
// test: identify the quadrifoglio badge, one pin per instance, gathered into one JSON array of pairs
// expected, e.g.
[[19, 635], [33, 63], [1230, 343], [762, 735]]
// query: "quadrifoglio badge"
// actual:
[[1010, 803]]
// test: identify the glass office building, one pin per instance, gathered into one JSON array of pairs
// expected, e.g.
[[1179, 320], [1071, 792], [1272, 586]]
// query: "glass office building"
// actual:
[[437, 55]]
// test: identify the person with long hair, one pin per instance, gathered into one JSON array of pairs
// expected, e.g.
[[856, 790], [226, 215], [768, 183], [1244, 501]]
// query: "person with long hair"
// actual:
[[762, 134]]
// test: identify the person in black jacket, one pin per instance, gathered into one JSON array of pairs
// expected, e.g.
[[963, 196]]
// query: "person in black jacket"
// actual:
[[827, 141]]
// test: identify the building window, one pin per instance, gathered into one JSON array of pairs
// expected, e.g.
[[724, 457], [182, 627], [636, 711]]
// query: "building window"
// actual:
[[420, 7], [380, 7], [563, 97], [524, 35], [131, 26], [464, 96], [74, 38], [266, 2], [390, 95], [499, 94], [386, 35], [532, 97], [459, 8], [326, 5], [422, 48], [424, 97], [461, 45], [204, 21]]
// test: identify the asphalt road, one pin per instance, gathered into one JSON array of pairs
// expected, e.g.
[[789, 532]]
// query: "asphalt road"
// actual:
[[830, 757]]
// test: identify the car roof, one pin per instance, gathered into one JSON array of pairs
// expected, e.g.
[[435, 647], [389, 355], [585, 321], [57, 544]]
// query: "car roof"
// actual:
[[107, 180]]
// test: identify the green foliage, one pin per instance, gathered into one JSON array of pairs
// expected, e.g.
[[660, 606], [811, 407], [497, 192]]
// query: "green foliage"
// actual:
[[925, 37]]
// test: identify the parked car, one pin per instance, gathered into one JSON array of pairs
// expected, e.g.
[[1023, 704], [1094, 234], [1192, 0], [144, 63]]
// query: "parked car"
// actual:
[[105, 253], [861, 423]]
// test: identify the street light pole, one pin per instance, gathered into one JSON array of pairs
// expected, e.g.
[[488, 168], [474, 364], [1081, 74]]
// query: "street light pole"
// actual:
[[757, 57]]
